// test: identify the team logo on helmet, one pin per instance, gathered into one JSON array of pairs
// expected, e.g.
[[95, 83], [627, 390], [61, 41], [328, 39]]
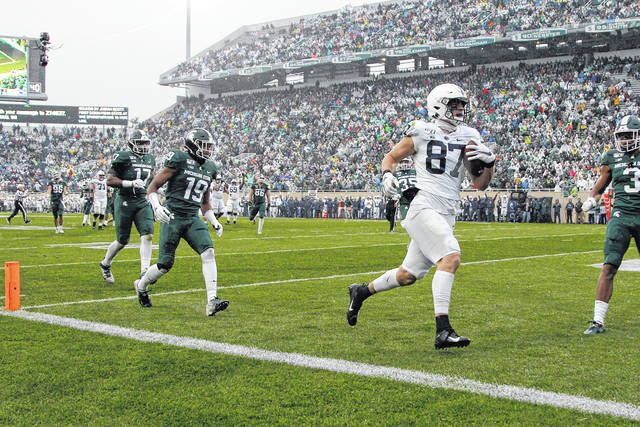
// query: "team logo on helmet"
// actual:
[[627, 134], [199, 144], [139, 142]]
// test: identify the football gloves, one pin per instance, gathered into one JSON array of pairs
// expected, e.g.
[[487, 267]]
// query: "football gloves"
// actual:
[[480, 151], [137, 184], [589, 204], [389, 184], [161, 213], [211, 217]]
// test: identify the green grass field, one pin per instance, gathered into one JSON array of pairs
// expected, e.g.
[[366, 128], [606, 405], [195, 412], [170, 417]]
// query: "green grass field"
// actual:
[[524, 295]]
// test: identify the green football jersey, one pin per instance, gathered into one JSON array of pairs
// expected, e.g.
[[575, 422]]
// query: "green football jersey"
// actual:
[[130, 166], [259, 193], [189, 183], [625, 178], [406, 179], [57, 190]]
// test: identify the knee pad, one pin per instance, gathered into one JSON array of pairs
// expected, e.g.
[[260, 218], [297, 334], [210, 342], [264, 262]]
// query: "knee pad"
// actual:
[[208, 256], [147, 237], [123, 241]]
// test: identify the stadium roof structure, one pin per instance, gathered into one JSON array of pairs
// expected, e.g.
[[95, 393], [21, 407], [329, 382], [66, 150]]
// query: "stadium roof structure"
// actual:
[[615, 34]]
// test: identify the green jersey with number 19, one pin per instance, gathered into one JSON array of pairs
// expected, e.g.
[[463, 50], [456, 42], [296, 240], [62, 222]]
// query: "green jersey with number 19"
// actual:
[[130, 166], [625, 178], [189, 183]]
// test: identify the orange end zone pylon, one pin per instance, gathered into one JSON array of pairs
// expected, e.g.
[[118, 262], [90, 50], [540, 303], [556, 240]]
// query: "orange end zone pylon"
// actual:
[[12, 285]]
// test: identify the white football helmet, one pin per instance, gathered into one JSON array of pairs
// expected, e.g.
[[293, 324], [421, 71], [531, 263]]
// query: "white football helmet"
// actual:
[[627, 134], [439, 103], [101, 175]]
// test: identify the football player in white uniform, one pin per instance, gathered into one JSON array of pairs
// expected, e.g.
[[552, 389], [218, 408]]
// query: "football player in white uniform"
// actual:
[[217, 196], [438, 149], [99, 196], [233, 200]]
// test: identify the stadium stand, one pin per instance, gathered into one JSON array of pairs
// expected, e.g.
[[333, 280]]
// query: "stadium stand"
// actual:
[[393, 24], [549, 123]]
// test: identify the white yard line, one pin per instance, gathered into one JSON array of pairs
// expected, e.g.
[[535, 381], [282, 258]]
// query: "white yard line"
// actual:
[[188, 291], [313, 236], [501, 391], [274, 251], [304, 279]]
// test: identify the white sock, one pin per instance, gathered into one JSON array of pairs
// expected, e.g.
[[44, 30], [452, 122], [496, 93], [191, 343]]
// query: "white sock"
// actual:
[[112, 251], [387, 281], [441, 287], [260, 224], [210, 273], [145, 252], [153, 273], [85, 219], [228, 217], [600, 311]]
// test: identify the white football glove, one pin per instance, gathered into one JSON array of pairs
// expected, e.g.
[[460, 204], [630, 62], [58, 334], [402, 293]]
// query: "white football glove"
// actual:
[[160, 212], [211, 217], [479, 151], [589, 204], [138, 184], [389, 184]]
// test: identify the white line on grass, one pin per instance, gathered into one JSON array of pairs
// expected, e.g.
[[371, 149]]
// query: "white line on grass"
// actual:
[[282, 250], [93, 245], [304, 279], [501, 391], [274, 251], [189, 291]]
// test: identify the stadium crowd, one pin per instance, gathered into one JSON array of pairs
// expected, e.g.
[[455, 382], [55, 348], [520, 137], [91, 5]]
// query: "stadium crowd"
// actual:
[[395, 24], [548, 124]]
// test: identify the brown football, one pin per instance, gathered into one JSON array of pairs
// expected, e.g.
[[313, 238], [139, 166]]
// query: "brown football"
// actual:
[[475, 167]]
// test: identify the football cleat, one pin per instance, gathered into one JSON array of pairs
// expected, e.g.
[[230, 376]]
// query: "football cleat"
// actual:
[[448, 338], [216, 305], [8, 220], [106, 273], [26, 222], [143, 296], [61, 230], [594, 328], [356, 298]]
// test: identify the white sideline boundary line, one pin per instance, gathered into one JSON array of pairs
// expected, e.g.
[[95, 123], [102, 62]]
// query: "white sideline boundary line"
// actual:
[[304, 279], [500, 391]]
